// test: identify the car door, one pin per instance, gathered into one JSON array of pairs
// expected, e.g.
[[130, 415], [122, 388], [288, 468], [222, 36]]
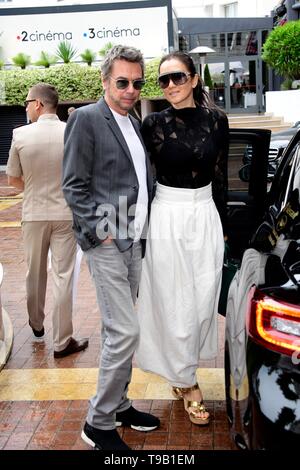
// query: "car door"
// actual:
[[247, 185], [270, 271]]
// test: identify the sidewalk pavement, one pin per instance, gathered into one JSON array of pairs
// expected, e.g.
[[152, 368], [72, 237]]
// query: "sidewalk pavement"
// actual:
[[43, 401]]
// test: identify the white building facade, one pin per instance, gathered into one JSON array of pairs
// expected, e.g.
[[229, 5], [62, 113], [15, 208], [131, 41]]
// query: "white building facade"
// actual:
[[223, 8], [183, 8]]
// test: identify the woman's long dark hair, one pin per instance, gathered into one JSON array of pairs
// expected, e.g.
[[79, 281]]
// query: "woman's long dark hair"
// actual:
[[201, 97]]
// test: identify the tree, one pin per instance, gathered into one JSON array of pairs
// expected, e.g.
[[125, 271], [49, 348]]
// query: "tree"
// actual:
[[281, 50], [207, 78]]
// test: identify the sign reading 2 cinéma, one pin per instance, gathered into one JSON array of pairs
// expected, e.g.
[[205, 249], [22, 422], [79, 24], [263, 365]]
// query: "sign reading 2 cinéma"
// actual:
[[144, 28]]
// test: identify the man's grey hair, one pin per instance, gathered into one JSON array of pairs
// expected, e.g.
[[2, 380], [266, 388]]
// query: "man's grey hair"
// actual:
[[119, 52]]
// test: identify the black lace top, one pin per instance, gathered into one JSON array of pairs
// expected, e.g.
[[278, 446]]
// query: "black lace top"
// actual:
[[189, 148]]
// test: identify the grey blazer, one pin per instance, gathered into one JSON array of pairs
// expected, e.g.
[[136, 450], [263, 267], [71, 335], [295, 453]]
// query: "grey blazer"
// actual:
[[97, 170]]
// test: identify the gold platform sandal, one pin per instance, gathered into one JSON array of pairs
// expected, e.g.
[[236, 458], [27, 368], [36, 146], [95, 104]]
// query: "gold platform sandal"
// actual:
[[193, 408], [176, 392]]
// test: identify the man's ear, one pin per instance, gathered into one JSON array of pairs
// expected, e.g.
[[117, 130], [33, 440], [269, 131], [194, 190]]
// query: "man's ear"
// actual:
[[103, 81], [38, 104]]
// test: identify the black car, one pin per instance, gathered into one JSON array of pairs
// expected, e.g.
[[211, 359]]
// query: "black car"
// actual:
[[276, 150], [286, 134], [278, 143], [262, 338]]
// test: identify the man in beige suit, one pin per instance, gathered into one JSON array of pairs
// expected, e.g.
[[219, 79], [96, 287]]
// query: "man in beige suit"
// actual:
[[35, 166]]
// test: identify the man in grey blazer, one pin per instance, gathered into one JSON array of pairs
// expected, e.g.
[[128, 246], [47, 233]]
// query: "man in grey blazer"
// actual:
[[107, 183], [35, 166]]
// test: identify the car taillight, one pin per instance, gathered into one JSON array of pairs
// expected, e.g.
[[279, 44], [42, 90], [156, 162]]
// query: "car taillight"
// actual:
[[274, 324]]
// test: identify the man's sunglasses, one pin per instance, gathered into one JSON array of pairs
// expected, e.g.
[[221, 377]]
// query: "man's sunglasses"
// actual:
[[123, 83], [26, 102], [178, 78]]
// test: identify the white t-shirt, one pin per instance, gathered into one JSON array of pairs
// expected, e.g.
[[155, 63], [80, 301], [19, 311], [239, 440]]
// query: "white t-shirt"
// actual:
[[139, 161]]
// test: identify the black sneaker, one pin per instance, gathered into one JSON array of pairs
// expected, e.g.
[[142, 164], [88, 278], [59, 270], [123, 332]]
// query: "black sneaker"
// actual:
[[38, 333], [137, 420], [102, 439]]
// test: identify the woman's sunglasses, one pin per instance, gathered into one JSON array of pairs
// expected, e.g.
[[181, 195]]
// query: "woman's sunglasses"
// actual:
[[178, 78], [123, 83]]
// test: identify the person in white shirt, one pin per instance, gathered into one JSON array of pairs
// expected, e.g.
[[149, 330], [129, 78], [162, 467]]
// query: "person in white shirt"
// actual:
[[107, 183]]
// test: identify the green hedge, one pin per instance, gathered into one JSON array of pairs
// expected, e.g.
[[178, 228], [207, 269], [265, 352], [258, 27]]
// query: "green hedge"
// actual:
[[73, 82], [151, 89]]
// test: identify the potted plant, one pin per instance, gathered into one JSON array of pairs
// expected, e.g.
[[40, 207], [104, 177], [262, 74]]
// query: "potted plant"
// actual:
[[65, 51], [46, 60], [88, 56], [281, 50], [105, 49], [21, 60]]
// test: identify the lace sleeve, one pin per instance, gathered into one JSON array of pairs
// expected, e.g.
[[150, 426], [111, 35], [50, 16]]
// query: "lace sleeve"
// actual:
[[152, 134], [220, 184]]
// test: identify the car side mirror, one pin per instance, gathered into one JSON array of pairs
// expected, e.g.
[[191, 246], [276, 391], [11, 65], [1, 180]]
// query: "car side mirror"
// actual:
[[244, 173]]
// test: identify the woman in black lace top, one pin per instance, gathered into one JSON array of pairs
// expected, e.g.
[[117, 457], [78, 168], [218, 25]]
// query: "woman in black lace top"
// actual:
[[181, 278]]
